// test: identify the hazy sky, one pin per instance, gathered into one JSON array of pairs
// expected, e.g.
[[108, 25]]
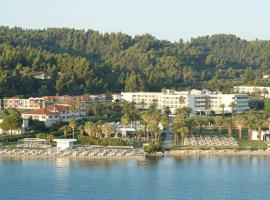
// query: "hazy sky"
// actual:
[[165, 19]]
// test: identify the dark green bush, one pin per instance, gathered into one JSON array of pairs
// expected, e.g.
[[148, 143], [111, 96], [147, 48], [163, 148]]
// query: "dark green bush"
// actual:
[[14, 138], [103, 141], [153, 147], [252, 145]]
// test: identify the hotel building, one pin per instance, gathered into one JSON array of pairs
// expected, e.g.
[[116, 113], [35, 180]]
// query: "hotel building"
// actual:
[[24, 104], [55, 114], [197, 100]]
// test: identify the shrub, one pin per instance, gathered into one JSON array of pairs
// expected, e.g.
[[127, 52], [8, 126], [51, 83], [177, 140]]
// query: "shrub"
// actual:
[[46, 136], [252, 144], [14, 138], [153, 147], [104, 141]]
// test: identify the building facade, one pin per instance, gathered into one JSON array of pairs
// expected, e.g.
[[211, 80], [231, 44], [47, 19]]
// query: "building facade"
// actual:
[[54, 114], [24, 104], [197, 100]]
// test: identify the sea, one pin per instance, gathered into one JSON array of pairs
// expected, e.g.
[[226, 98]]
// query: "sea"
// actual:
[[185, 177]]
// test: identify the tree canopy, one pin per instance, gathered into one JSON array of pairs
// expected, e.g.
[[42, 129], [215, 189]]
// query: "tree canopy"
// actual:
[[86, 61]]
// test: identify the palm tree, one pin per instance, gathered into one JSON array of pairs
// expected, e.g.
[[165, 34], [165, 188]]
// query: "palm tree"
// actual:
[[81, 131], [240, 123], [72, 124], [179, 134], [154, 129], [98, 132], [125, 120], [268, 122], [142, 105], [183, 132], [219, 123], [185, 111], [90, 128], [180, 128], [259, 124], [222, 106], [106, 129], [229, 125], [250, 124], [265, 92], [72, 109], [198, 121], [146, 117], [65, 129], [233, 106], [164, 121]]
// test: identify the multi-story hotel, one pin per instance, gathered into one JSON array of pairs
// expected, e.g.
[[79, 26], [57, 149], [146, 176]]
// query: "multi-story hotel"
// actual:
[[84, 99], [197, 100], [55, 114], [24, 104], [37, 103]]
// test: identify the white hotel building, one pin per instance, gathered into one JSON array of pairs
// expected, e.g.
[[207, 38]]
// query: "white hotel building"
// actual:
[[197, 100]]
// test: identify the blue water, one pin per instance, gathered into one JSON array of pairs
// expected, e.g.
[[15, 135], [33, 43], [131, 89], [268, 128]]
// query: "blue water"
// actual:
[[206, 177]]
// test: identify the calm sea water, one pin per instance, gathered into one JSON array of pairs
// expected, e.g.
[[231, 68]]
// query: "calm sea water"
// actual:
[[206, 177]]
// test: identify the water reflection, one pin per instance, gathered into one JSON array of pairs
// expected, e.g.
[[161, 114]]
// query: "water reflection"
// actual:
[[169, 177], [62, 163]]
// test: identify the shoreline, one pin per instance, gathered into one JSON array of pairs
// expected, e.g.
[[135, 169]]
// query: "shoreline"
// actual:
[[216, 153], [94, 152], [142, 157], [135, 157]]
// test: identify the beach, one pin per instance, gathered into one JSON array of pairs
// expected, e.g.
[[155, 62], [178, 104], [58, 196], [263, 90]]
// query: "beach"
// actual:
[[113, 153], [91, 152], [216, 152]]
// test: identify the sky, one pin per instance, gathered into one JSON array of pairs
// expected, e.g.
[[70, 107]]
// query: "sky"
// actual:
[[165, 19]]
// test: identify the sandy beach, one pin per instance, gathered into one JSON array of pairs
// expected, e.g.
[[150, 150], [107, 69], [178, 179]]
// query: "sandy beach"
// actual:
[[139, 156], [94, 152], [135, 157], [216, 152]]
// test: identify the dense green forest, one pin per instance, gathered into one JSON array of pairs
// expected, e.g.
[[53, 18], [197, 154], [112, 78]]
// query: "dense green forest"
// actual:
[[79, 61]]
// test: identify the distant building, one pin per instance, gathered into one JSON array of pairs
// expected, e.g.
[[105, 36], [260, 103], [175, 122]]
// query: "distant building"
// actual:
[[84, 99], [266, 76], [264, 135], [252, 89], [40, 75], [55, 114], [24, 104], [56, 99], [116, 97], [197, 100], [90, 99]]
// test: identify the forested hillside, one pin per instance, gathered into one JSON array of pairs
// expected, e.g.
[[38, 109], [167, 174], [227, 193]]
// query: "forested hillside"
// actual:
[[78, 61]]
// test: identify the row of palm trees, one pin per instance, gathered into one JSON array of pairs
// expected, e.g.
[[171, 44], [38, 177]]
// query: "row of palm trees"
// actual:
[[98, 130], [151, 119], [252, 120]]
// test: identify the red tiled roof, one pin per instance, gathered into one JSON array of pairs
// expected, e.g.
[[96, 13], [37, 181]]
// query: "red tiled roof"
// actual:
[[68, 103], [49, 97], [50, 110], [42, 111]]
